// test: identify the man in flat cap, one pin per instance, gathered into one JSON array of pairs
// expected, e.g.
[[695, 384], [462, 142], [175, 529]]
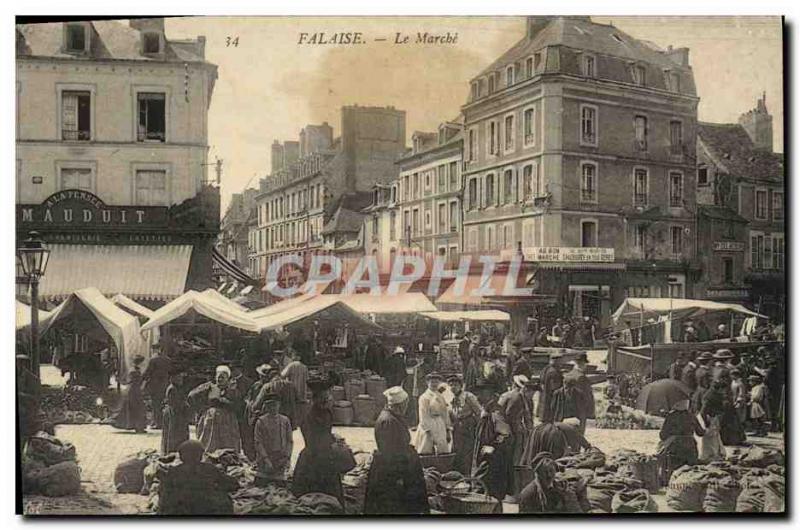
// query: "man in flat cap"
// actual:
[[273, 439]]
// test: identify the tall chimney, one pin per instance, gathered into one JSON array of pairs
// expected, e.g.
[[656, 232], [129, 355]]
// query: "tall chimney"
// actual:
[[758, 124], [535, 24]]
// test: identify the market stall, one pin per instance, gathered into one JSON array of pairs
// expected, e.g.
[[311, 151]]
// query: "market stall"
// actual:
[[454, 324], [90, 326]]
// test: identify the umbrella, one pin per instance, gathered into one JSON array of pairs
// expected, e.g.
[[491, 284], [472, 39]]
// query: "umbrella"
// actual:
[[661, 395]]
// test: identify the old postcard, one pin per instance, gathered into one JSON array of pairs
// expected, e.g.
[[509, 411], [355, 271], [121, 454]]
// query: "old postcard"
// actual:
[[353, 266]]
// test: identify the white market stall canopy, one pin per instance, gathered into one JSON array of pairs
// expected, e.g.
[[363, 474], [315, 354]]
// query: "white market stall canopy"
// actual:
[[122, 327], [283, 305], [24, 315], [291, 313], [400, 303], [132, 306], [488, 315], [679, 307], [210, 304]]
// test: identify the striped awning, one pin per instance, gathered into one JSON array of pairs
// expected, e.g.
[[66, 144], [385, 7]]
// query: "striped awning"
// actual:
[[143, 272], [231, 269]]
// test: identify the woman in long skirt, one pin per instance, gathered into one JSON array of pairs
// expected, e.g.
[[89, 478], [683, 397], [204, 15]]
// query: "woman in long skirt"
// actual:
[[175, 418], [133, 414], [219, 426]]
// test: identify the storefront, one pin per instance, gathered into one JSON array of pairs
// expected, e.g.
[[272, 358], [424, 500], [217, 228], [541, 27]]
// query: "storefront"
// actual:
[[151, 254]]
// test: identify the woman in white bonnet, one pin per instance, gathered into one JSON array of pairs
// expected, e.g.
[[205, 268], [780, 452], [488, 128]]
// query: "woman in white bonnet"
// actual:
[[218, 428]]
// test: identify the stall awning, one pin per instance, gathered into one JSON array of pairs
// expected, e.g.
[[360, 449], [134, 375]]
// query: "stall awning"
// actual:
[[145, 272], [210, 304], [330, 304], [366, 303], [476, 290], [679, 307], [132, 306], [488, 315], [230, 268], [24, 315]]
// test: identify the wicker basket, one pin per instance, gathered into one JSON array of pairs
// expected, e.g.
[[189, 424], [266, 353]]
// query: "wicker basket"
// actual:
[[469, 503], [442, 462]]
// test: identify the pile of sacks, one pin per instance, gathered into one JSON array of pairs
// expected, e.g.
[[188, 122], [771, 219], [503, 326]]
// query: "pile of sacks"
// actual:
[[275, 500], [751, 480], [234, 465], [129, 474], [354, 483], [72, 404], [49, 467], [590, 482]]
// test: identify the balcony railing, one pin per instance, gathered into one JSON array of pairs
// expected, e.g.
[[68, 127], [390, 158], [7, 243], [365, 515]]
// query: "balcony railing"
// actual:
[[676, 149], [151, 136], [76, 135], [588, 195], [640, 199], [676, 201]]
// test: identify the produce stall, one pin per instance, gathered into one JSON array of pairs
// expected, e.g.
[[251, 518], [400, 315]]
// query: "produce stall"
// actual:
[[451, 325]]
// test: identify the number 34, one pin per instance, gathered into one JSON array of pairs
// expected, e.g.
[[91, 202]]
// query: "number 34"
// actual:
[[232, 41]]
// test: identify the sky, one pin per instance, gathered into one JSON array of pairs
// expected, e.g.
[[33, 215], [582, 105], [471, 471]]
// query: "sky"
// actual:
[[270, 86]]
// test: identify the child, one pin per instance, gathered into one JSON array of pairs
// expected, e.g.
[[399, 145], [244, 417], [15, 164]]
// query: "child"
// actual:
[[273, 440], [759, 405]]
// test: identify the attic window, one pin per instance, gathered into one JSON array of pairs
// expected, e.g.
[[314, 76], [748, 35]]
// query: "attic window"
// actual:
[[617, 38], [76, 38], [151, 43]]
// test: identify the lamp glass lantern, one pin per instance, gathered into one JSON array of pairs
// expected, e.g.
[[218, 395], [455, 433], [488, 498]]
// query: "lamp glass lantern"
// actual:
[[33, 257]]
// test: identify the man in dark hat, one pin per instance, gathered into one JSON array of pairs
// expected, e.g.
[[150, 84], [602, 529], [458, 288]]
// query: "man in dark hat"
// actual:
[[551, 380], [702, 376], [584, 397], [464, 414], [273, 440], [675, 371], [522, 365], [394, 368], [721, 370], [156, 380], [688, 372]]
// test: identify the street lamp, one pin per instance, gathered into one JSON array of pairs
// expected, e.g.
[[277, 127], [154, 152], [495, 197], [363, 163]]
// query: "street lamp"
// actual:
[[33, 258]]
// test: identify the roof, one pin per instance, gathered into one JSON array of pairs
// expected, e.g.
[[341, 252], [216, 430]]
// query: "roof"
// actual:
[[112, 39], [720, 212], [347, 216], [734, 152], [581, 33], [122, 327], [149, 272]]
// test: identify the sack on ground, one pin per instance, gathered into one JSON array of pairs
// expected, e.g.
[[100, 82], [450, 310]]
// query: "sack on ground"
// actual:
[[721, 495], [60, 479], [686, 490], [49, 449], [774, 494], [633, 502], [129, 475]]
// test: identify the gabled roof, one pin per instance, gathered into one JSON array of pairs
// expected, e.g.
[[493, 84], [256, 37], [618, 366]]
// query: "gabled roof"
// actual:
[[720, 212], [344, 220], [734, 152], [581, 33]]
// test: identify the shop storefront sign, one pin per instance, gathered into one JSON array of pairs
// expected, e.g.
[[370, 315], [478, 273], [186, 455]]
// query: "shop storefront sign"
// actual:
[[728, 294], [570, 254], [729, 246]]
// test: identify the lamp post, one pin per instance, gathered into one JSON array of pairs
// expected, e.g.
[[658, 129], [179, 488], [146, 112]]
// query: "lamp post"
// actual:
[[33, 258]]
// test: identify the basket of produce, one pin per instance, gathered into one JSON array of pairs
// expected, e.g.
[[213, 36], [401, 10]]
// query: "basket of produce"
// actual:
[[442, 462], [472, 501]]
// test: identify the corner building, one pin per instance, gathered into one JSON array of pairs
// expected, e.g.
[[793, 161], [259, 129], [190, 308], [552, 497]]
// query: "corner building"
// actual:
[[579, 152]]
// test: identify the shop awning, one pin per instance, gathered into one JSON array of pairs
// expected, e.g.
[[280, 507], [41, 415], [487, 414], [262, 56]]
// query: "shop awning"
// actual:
[[382, 304], [488, 315], [24, 315], [230, 268], [122, 327], [216, 308], [679, 307], [145, 272]]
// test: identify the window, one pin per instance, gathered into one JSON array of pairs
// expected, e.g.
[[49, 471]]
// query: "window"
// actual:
[[531, 183], [406, 187], [508, 236], [756, 250], [777, 206], [441, 178], [509, 133], [639, 75], [727, 270], [151, 188], [588, 125], [640, 130], [473, 146], [491, 84], [76, 116], [529, 67], [676, 233], [508, 186], [491, 240], [472, 194], [510, 75], [428, 220], [152, 117], [674, 81], [415, 185], [588, 182], [675, 189], [676, 137], [76, 38], [472, 240], [427, 180], [151, 43], [640, 239], [392, 225], [702, 176], [777, 251], [528, 126], [453, 175], [761, 205], [588, 234], [442, 218], [640, 187], [490, 186], [474, 90], [588, 65], [406, 224], [76, 179], [537, 61], [493, 138]]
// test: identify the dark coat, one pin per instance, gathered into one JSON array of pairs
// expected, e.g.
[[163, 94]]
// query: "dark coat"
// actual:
[[175, 430], [316, 470], [199, 489], [133, 414], [552, 380], [584, 397]]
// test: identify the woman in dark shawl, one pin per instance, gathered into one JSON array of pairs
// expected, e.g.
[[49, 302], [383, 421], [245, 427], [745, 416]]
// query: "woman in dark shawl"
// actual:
[[493, 450], [316, 470], [133, 414], [678, 446], [396, 483], [175, 418]]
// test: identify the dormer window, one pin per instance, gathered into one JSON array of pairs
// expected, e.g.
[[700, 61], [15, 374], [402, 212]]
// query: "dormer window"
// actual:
[[588, 63], [491, 84], [510, 75], [76, 39], [639, 74], [151, 43], [529, 67]]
